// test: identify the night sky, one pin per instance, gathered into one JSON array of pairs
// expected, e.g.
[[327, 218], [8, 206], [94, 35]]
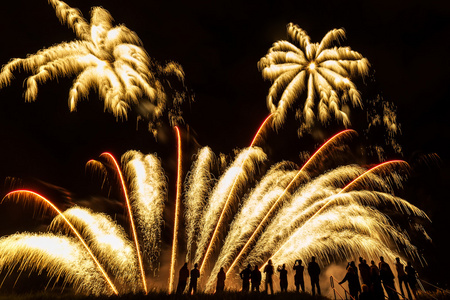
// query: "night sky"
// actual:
[[219, 43]]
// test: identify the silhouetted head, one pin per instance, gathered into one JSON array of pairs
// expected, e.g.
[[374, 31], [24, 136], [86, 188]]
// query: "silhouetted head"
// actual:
[[360, 259], [256, 267], [397, 259], [185, 265], [365, 288], [352, 264], [269, 262], [284, 266], [195, 266], [249, 266], [372, 262], [364, 261], [313, 258], [408, 264], [381, 258], [221, 269]]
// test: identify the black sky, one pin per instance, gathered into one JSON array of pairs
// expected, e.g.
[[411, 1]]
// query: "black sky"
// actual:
[[219, 43]]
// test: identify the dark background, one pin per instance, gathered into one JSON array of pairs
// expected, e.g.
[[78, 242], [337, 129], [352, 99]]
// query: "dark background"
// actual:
[[219, 43]]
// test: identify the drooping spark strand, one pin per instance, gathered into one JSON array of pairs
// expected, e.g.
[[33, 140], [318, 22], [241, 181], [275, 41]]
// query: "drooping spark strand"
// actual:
[[177, 213], [60, 256], [269, 117], [108, 241], [331, 142], [148, 190], [48, 203], [130, 216], [197, 188], [359, 178], [241, 169]]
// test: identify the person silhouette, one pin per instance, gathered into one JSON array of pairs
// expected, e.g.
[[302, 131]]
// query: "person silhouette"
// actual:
[[283, 278], [268, 270], [364, 271], [182, 278], [245, 276], [411, 276], [256, 279], [298, 277], [387, 277], [353, 281], [375, 281], [195, 274], [402, 278], [220, 286], [314, 272]]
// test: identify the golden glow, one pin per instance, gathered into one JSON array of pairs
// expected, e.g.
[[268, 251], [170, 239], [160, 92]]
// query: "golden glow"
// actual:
[[221, 200], [312, 66], [130, 216], [48, 203], [173, 261], [331, 142]]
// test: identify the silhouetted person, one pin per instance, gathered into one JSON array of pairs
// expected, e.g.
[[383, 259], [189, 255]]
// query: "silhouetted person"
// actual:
[[283, 278], [245, 276], [353, 281], [256, 279], [364, 271], [411, 276], [314, 272], [182, 278], [402, 278], [220, 281], [195, 274], [375, 282], [268, 270], [366, 293], [298, 277], [387, 277]]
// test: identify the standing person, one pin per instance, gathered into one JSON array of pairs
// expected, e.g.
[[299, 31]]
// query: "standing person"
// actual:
[[314, 272], [375, 282], [298, 277], [220, 281], [364, 271], [255, 279], [245, 276], [183, 276], [411, 276], [387, 277], [283, 278], [268, 270], [195, 274], [402, 278], [353, 281]]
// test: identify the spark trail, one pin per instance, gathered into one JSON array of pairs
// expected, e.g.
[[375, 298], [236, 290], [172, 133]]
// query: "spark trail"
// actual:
[[330, 143], [173, 260], [49, 204], [111, 158]]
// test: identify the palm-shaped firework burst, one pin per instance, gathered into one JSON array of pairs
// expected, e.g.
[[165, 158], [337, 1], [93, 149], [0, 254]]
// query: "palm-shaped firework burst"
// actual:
[[106, 58], [321, 68]]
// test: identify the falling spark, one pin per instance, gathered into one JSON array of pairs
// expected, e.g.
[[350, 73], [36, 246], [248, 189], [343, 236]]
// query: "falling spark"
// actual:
[[177, 213], [237, 175], [197, 188], [148, 189], [60, 256], [330, 143], [130, 216], [107, 240], [48, 203]]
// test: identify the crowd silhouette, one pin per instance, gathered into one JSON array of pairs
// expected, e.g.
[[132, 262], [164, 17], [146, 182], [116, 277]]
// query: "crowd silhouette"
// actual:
[[364, 282]]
